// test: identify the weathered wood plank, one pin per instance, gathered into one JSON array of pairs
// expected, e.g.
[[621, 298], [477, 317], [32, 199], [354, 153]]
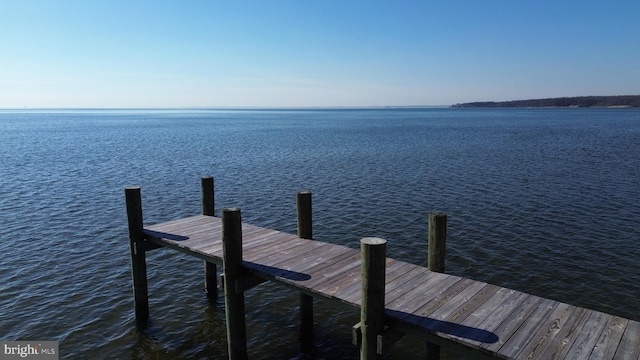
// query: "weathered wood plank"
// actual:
[[449, 288], [213, 247], [609, 340], [281, 251], [206, 240], [586, 340], [350, 262], [196, 240], [199, 227], [629, 348], [528, 326], [471, 304], [255, 234], [451, 306], [445, 321], [427, 292], [310, 259], [187, 241], [258, 241], [394, 271], [401, 285], [330, 287], [184, 223], [193, 227], [277, 249], [203, 246], [547, 332], [352, 281], [299, 279], [566, 335], [505, 329], [184, 240], [471, 324]]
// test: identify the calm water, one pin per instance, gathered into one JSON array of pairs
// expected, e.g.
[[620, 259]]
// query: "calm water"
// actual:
[[543, 201]]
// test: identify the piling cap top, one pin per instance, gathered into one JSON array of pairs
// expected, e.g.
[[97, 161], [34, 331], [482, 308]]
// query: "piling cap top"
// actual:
[[373, 241]]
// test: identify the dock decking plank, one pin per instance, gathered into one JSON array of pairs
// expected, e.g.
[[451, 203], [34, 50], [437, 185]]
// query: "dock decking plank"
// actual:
[[529, 326], [565, 337], [510, 325], [351, 278], [180, 225], [445, 290], [629, 348], [438, 319], [471, 324], [349, 261], [403, 284], [257, 242], [313, 259], [470, 305], [608, 342], [547, 333], [279, 250], [588, 336], [396, 269]]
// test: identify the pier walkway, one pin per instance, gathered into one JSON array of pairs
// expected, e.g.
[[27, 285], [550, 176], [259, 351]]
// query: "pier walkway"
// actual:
[[468, 316]]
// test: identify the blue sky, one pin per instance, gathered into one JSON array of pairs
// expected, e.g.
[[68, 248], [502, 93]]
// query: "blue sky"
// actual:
[[182, 53]]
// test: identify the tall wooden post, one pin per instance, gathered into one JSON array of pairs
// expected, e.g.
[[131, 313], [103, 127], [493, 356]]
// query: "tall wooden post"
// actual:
[[210, 269], [138, 258], [437, 241], [233, 272], [435, 262], [305, 225], [374, 253]]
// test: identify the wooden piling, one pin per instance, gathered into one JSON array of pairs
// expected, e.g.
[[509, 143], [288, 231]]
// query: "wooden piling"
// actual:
[[233, 273], [437, 241], [210, 269], [373, 253], [133, 201], [435, 262], [305, 226]]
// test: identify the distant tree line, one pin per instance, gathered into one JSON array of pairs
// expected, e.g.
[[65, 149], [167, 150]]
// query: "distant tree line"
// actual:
[[580, 101]]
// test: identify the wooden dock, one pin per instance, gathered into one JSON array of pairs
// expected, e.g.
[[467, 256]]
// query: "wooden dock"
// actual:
[[474, 318]]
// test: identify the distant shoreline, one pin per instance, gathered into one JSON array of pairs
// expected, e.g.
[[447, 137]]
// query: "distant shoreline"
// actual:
[[622, 101]]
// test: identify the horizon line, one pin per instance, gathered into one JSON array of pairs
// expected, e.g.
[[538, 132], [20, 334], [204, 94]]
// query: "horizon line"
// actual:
[[232, 107]]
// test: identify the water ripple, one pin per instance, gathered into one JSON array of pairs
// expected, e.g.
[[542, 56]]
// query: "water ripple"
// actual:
[[541, 201]]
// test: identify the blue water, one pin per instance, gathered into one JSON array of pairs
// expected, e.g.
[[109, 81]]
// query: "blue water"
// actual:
[[540, 200]]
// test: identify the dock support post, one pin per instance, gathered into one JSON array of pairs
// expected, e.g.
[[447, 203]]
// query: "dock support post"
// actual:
[[435, 262], [210, 269], [233, 271], [437, 241], [373, 253], [138, 258], [305, 226]]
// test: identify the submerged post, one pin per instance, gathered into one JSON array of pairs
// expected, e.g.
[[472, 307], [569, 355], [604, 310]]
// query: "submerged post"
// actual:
[[138, 258], [373, 253], [233, 271], [303, 204], [435, 262], [210, 269]]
